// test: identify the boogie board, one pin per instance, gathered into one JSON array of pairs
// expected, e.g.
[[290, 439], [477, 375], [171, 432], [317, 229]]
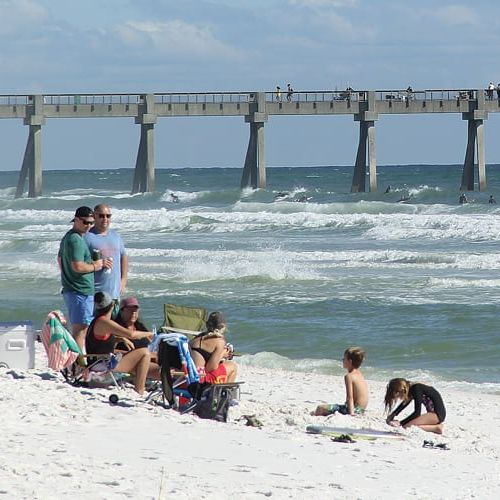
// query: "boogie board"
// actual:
[[369, 434]]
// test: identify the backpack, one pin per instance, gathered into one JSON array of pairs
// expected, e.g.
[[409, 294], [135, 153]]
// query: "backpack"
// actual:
[[213, 401]]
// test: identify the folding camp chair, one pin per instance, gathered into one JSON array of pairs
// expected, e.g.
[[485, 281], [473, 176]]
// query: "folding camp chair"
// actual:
[[181, 388], [61, 348], [184, 319], [177, 369], [63, 353]]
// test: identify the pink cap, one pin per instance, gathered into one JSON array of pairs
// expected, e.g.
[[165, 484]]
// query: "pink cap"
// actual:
[[129, 302]]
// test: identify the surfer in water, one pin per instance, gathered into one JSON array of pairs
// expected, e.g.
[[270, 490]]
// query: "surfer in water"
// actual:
[[282, 195]]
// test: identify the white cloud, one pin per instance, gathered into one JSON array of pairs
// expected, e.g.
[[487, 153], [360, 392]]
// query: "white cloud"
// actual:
[[175, 37], [19, 15], [457, 15], [332, 16]]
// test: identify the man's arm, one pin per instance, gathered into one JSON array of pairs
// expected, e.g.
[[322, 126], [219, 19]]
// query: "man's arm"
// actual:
[[84, 268], [124, 272]]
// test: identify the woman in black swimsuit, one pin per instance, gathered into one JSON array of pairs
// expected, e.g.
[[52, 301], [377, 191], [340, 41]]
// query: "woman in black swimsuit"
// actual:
[[211, 352], [421, 394]]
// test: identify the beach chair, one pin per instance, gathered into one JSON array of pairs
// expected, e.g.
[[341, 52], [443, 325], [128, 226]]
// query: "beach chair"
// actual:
[[61, 348], [184, 319], [181, 388], [177, 369], [63, 354]]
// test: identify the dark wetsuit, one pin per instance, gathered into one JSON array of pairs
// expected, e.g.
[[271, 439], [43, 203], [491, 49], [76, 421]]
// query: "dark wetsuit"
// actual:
[[422, 395]]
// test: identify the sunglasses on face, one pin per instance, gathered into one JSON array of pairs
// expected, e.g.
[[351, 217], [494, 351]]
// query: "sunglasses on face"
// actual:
[[104, 216], [87, 222]]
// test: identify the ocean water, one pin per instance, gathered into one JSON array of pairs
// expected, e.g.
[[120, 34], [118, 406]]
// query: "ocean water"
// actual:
[[417, 284]]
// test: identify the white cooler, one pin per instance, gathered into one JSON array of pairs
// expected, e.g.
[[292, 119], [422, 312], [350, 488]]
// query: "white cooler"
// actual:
[[17, 345]]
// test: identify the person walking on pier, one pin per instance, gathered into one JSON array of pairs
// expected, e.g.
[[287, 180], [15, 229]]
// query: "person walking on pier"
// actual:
[[498, 91], [289, 93], [113, 278], [489, 92], [278, 93], [77, 274]]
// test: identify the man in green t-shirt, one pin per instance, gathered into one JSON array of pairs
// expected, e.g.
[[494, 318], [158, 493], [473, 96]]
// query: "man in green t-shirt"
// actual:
[[77, 274]]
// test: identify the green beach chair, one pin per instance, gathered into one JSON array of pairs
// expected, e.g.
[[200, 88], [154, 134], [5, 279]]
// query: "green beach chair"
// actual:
[[184, 319]]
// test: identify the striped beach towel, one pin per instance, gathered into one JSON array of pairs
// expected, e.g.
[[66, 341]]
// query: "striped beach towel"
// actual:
[[61, 348]]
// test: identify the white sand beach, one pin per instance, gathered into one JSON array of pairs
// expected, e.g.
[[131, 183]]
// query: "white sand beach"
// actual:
[[64, 442]]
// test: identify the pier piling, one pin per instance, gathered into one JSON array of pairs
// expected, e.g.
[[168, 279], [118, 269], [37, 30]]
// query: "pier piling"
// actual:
[[475, 146], [144, 174], [366, 117], [32, 161], [254, 169]]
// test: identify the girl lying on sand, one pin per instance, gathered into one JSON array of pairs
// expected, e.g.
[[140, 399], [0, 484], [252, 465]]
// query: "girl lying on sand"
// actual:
[[421, 394]]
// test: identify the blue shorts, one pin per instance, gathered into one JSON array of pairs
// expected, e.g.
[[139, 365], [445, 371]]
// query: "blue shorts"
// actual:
[[80, 308]]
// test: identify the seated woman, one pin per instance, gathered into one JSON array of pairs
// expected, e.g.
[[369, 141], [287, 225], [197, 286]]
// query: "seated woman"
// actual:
[[128, 317], [211, 353], [103, 333]]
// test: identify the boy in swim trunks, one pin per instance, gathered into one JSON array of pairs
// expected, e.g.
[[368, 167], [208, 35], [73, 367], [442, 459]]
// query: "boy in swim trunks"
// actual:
[[355, 386]]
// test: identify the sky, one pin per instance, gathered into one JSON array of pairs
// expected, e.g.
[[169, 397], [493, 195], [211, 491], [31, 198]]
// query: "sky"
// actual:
[[138, 46]]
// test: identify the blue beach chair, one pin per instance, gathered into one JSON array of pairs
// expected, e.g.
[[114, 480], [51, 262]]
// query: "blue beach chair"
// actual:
[[181, 388], [178, 371]]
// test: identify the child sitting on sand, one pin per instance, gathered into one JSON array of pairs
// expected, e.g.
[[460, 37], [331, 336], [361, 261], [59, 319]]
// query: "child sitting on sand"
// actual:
[[421, 394], [355, 387]]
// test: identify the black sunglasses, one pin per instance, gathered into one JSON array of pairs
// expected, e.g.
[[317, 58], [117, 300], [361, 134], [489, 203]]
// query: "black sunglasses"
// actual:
[[104, 216], [87, 222]]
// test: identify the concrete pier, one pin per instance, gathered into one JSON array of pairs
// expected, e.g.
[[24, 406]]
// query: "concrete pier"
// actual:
[[32, 161], [475, 145], [254, 169], [366, 107], [144, 173], [366, 118]]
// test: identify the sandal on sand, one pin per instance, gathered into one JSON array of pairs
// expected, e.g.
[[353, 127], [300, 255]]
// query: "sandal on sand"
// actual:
[[343, 438], [252, 420], [431, 444], [442, 446]]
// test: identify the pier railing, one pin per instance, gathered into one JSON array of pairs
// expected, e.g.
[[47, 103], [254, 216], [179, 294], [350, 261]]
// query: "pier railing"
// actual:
[[246, 97]]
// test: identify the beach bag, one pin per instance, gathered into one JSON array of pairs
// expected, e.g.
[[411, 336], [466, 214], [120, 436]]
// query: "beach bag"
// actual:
[[213, 402]]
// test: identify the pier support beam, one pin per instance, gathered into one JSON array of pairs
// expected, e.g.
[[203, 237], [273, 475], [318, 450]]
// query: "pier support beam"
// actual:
[[254, 170], [32, 161], [366, 146], [144, 174], [475, 144]]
